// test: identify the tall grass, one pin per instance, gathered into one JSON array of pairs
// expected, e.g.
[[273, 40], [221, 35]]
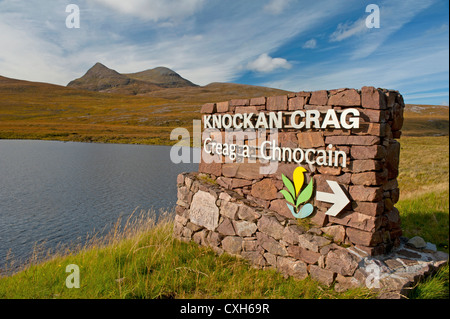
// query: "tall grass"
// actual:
[[143, 260], [140, 259]]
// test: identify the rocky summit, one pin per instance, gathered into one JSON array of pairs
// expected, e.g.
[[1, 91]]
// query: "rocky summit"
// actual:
[[100, 78]]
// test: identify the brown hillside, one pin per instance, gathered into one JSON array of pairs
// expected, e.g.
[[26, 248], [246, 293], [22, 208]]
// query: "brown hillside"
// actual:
[[163, 77], [99, 78]]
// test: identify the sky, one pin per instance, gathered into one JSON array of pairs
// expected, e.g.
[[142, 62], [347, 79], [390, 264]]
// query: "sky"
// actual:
[[293, 45]]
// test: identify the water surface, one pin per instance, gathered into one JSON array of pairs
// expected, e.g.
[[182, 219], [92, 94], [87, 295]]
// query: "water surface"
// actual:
[[57, 192]]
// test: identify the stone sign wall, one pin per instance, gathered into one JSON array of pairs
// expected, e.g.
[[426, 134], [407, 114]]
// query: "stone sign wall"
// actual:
[[233, 206], [369, 176], [216, 217]]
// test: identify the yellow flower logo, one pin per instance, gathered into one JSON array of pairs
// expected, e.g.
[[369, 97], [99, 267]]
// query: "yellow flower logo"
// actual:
[[296, 196]]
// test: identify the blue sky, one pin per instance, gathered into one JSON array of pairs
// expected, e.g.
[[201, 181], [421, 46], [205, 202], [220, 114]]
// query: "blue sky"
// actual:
[[288, 44]]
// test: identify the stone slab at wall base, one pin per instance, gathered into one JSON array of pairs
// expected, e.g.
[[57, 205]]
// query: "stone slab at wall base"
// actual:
[[214, 216]]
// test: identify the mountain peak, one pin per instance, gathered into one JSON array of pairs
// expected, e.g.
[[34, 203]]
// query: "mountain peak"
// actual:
[[100, 78], [100, 70], [162, 76], [103, 79]]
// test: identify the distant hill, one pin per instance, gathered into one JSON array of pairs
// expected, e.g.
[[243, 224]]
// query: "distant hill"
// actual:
[[34, 110], [100, 78], [163, 77]]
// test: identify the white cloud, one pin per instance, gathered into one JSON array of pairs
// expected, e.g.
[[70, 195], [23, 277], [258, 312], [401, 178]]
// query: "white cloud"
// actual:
[[412, 70], [393, 15], [347, 30], [25, 56], [265, 63], [155, 10], [217, 49], [310, 44], [276, 6]]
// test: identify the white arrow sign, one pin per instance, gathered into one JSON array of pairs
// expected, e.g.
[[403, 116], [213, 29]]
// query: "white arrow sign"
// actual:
[[337, 198]]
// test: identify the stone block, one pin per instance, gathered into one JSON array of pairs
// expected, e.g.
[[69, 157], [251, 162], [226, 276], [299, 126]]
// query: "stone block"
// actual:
[[296, 103], [245, 109], [277, 103], [373, 116], [208, 108], [265, 190], [204, 211], [255, 258], [370, 178], [244, 228], [393, 217], [368, 208], [348, 97], [364, 238], [312, 242], [368, 152], [357, 220], [271, 226], [248, 213], [193, 227], [366, 194], [239, 183], [292, 267], [372, 98], [232, 245], [279, 206], [319, 218], [337, 232], [393, 159], [239, 102], [287, 139], [319, 98], [229, 210], [226, 228], [250, 244], [359, 166], [310, 139], [213, 239], [258, 101], [324, 276], [291, 233], [342, 262], [305, 255], [397, 117], [210, 168], [271, 259], [223, 107], [200, 237], [353, 140], [271, 245]]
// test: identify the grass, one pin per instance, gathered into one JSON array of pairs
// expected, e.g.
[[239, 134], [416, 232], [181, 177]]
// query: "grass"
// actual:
[[143, 260]]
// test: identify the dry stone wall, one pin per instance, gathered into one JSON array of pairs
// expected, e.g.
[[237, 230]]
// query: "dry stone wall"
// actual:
[[370, 221], [226, 221]]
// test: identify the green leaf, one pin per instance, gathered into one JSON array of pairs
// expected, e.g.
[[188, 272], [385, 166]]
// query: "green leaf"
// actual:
[[291, 208], [306, 194], [306, 210], [288, 185], [287, 196]]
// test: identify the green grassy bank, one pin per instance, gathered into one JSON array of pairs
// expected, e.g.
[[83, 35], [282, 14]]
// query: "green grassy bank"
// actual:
[[145, 261]]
